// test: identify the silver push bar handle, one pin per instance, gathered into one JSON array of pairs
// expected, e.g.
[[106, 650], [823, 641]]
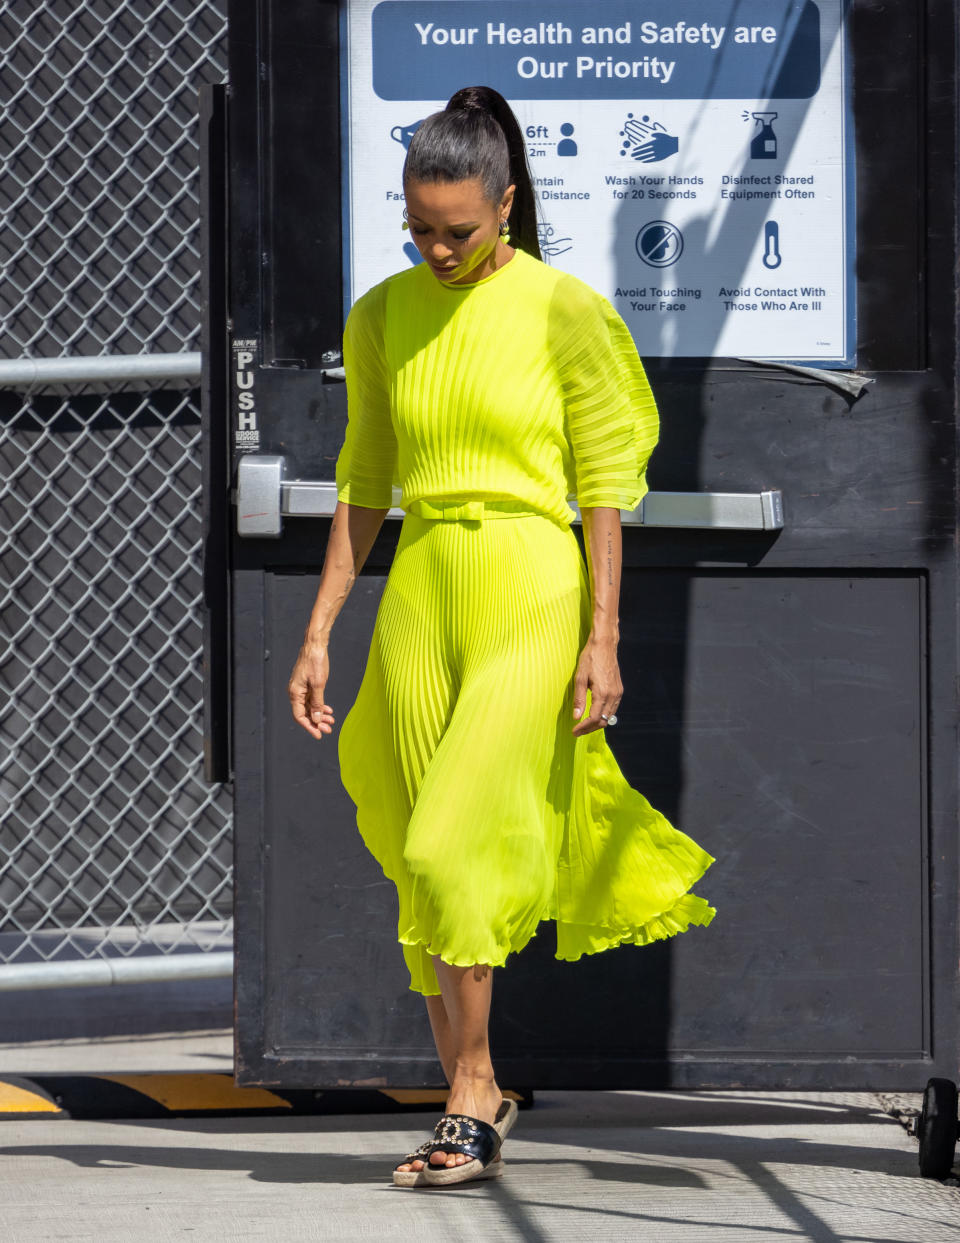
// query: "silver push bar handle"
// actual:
[[265, 497]]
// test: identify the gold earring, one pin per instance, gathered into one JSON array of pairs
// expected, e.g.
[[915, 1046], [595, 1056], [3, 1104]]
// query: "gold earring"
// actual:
[[405, 224]]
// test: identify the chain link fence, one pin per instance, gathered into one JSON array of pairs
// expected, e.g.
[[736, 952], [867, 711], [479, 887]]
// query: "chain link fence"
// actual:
[[110, 840]]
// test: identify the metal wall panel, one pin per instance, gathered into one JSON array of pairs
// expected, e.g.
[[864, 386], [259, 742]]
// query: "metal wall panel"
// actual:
[[790, 696]]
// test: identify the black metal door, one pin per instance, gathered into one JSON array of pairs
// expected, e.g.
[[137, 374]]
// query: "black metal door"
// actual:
[[791, 696]]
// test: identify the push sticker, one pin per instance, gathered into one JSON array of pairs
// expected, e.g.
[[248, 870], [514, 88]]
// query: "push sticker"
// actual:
[[246, 433]]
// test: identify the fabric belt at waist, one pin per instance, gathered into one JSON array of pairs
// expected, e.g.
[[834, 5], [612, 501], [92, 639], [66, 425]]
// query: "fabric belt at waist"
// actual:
[[471, 511]]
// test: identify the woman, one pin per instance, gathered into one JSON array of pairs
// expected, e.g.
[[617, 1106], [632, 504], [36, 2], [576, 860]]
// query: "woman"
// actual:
[[491, 387]]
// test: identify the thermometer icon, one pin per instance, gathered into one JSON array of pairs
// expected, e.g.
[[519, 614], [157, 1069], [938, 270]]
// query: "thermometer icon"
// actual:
[[771, 245]]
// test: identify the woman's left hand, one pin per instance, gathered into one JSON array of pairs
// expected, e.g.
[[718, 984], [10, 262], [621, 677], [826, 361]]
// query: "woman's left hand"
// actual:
[[597, 669]]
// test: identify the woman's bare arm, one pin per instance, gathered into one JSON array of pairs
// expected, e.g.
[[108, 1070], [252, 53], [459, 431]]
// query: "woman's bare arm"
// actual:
[[352, 533], [598, 667]]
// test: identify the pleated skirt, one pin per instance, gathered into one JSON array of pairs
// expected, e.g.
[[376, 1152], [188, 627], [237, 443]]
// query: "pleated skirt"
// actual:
[[472, 793]]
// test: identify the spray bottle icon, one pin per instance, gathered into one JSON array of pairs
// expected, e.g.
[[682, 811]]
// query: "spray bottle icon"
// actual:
[[764, 144]]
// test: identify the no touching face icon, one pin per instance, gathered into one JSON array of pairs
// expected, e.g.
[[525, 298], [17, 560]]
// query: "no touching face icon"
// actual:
[[659, 244]]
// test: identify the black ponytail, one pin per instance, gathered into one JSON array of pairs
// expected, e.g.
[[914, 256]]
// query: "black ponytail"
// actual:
[[478, 135]]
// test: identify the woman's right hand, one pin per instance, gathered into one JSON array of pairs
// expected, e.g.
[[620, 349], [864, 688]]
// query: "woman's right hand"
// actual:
[[306, 688]]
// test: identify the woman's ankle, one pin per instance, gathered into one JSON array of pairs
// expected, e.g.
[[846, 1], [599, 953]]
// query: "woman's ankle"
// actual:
[[480, 1075]]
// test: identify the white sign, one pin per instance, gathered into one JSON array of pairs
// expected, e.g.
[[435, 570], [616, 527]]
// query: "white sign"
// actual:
[[693, 158]]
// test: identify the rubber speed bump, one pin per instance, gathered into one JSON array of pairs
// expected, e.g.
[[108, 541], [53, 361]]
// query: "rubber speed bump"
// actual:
[[211, 1095], [205, 1093], [20, 1098]]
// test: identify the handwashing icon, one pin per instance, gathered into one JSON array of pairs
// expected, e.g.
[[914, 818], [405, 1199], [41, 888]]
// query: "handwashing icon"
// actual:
[[647, 141]]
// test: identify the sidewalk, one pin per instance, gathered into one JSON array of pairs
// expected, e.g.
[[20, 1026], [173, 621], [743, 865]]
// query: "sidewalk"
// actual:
[[654, 1166]]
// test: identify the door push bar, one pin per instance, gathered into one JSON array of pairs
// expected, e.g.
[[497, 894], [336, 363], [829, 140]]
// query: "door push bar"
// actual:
[[265, 497]]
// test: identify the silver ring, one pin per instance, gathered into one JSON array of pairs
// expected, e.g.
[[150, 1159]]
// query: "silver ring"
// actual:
[[610, 720]]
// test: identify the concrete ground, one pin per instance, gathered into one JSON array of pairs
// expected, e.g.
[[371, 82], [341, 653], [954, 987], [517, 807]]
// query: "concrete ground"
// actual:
[[659, 1166]]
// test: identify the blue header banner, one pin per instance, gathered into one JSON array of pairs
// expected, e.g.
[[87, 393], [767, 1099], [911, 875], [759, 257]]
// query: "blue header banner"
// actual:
[[662, 49]]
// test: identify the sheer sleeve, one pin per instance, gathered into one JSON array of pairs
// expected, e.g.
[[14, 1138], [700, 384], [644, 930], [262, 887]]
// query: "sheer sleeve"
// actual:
[[611, 418], [367, 463]]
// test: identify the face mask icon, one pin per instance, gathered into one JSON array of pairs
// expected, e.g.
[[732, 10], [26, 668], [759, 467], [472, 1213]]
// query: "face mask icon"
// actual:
[[403, 133]]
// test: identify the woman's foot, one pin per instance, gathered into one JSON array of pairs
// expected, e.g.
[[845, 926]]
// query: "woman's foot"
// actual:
[[416, 1165], [477, 1097]]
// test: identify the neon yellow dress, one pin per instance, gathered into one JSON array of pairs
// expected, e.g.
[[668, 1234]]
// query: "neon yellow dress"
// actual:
[[490, 405]]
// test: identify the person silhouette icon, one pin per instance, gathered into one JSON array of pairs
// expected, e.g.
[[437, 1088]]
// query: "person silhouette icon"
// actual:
[[566, 146]]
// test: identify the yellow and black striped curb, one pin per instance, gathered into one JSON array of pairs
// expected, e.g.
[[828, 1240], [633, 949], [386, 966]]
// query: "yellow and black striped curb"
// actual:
[[185, 1095]]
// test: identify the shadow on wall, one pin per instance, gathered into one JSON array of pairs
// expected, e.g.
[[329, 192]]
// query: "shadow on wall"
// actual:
[[739, 237], [655, 665]]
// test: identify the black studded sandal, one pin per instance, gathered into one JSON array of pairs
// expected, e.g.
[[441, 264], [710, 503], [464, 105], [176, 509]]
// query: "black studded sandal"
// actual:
[[476, 1139]]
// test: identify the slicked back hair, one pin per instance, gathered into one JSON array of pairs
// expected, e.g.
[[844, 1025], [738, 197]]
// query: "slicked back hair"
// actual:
[[477, 135]]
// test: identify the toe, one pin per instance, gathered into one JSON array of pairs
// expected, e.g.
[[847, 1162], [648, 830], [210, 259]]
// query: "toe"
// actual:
[[448, 1159]]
